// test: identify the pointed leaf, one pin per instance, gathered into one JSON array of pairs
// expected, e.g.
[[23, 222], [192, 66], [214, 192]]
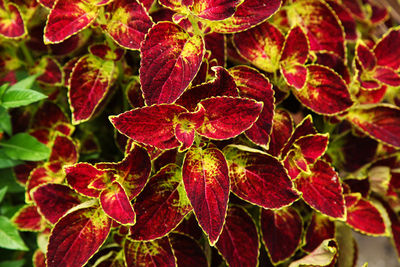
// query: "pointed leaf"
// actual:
[[248, 14], [157, 253], [77, 236], [47, 115], [161, 206], [386, 50], [187, 251], [222, 85], [325, 92], [152, 125], [322, 189], [51, 69], [206, 180], [90, 81], [381, 122], [387, 76], [25, 147], [321, 24], [312, 147], [281, 232], [239, 243], [64, 149], [132, 172], [346, 18], [179, 57], [252, 84], [9, 236], [363, 216], [295, 49], [261, 46], [54, 200], [227, 117], [116, 204], [365, 57], [128, 23], [319, 229], [11, 23], [259, 178], [67, 18], [20, 97], [81, 175], [28, 219], [282, 128]]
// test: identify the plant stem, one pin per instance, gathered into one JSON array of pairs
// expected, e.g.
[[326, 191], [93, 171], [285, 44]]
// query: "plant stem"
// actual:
[[27, 54]]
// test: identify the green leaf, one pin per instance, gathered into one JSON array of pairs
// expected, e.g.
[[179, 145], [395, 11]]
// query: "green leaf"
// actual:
[[20, 97], [6, 161], [3, 88], [9, 236], [3, 192], [23, 146], [5, 120], [25, 83], [15, 263], [7, 178]]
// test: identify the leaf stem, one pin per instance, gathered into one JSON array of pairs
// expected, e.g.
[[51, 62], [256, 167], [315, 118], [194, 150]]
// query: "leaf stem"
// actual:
[[194, 21]]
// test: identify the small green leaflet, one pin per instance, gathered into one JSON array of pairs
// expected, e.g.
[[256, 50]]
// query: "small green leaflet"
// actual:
[[5, 121], [23, 146], [3, 192], [9, 237], [26, 83], [20, 97]]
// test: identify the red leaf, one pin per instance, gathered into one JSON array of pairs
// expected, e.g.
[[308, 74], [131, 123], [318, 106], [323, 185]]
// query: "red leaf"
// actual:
[[116, 204], [179, 57], [334, 62], [128, 23], [187, 124], [222, 85], [365, 57], [39, 259], [252, 84], [132, 172], [322, 189], [319, 229], [295, 49], [157, 253], [381, 122], [214, 9], [387, 75], [295, 75], [104, 52], [28, 219], [312, 147], [363, 216], [281, 232], [259, 178], [54, 200], [216, 43], [261, 45], [282, 128], [90, 81], [346, 18], [82, 175], [11, 23], [187, 251], [387, 51], [325, 92], [239, 243], [68, 17], [47, 115], [161, 206], [51, 69], [248, 14], [323, 28], [77, 236], [227, 117], [152, 125], [64, 149], [206, 180]]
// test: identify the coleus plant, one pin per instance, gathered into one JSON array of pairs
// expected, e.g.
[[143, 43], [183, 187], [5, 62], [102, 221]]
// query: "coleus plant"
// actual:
[[205, 132]]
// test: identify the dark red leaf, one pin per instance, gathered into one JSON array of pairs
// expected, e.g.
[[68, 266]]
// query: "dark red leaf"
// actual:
[[206, 180], [239, 243], [322, 189], [319, 229], [252, 84], [152, 125], [161, 206], [387, 51], [82, 175], [214, 9], [346, 18], [54, 200], [281, 232], [282, 129], [77, 236], [187, 251], [227, 117], [128, 23], [179, 57], [157, 253], [28, 219], [259, 178]]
